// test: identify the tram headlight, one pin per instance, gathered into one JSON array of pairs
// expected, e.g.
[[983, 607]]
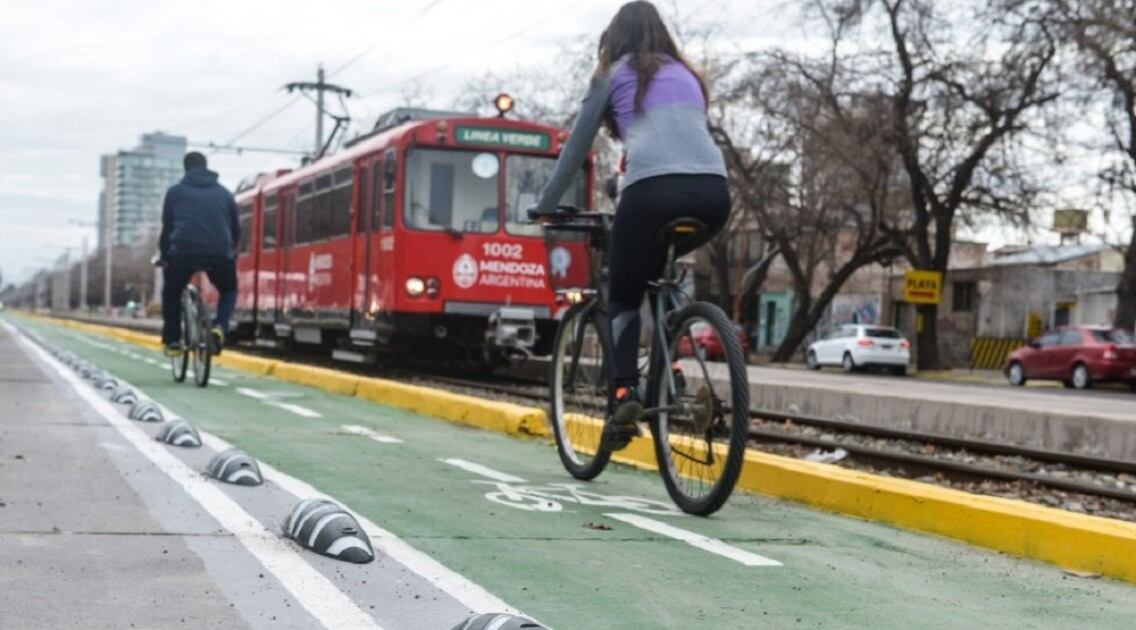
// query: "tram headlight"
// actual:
[[504, 104], [415, 287]]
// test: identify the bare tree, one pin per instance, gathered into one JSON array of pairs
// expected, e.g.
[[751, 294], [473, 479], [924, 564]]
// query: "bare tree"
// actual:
[[808, 144], [1104, 35]]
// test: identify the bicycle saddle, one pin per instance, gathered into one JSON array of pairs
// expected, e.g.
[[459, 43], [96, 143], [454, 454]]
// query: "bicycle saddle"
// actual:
[[683, 230]]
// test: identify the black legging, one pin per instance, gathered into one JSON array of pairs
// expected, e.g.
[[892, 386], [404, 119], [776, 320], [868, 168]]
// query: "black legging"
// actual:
[[637, 255]]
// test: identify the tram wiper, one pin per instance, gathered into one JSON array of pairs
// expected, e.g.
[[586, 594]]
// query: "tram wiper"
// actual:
[[454, 232]]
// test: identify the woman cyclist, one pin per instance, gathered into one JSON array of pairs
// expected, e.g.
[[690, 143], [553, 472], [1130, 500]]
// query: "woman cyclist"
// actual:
[[649, 97]]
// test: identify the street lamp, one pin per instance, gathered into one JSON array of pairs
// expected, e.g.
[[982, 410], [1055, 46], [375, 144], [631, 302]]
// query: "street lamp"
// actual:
[[83, 269]]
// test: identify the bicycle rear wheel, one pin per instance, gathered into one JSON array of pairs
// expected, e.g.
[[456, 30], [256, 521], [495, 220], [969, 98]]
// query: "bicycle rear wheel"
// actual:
[[179, 364], [202, 346], [580, 385], [700, 440]]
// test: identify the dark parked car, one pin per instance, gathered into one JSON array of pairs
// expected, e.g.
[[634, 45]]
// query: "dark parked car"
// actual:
[[1077, 356]]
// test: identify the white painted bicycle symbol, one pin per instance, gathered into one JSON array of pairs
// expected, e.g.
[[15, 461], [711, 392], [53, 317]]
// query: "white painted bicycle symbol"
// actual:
[[553, 496]]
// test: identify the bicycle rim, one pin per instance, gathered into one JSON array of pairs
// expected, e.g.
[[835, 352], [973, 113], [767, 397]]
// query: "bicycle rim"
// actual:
[[202, 356], [179, 365], [580, 384], [701, 449]]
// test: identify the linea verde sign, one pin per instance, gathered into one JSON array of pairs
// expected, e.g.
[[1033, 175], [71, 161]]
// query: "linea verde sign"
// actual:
[[502, 138]]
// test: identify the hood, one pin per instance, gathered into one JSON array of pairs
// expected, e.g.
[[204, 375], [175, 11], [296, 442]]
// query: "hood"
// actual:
[[200, 177]]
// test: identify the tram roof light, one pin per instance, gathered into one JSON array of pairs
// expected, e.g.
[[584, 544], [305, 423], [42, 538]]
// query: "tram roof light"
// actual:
[[504, 104]]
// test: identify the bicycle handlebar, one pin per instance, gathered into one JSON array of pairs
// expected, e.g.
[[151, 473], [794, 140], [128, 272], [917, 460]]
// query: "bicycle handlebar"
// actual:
[[559, 212]]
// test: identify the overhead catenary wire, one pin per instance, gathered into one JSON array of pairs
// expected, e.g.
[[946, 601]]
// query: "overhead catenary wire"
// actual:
[[559, 12]]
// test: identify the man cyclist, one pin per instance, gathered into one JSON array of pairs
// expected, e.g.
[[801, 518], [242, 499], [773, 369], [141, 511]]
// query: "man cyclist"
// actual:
[[200, 232], [649, 97]]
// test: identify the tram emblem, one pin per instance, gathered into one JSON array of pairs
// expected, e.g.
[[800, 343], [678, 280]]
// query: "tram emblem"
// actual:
[[559, 259], [465, 271]]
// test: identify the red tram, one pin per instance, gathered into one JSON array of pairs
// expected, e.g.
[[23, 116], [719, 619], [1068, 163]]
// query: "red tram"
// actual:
[[414, 236]]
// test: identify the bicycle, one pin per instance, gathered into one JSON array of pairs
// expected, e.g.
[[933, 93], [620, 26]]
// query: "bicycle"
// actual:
[[700, 430], [195, 322]]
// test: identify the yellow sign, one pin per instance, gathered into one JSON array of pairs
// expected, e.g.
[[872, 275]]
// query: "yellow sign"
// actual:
[[922, 287]]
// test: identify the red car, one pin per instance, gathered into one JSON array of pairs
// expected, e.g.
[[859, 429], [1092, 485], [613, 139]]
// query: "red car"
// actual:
[[707, 343], [1076, 355]]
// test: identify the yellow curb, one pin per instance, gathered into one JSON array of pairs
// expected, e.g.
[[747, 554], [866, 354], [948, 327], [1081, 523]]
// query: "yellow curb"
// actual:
[[321, 378], [246, 363], [476, 412], [1073, 541]]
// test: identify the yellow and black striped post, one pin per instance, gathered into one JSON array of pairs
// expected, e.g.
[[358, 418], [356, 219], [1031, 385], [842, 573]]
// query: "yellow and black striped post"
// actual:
[[989, 353]]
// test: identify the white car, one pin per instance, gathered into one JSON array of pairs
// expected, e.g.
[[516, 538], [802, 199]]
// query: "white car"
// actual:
[[855, 346]]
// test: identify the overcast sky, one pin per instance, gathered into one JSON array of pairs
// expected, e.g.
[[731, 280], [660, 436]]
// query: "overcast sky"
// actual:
[[80, 79]]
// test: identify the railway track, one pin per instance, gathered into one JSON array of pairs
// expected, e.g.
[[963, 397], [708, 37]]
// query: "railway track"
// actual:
[[773, 427]]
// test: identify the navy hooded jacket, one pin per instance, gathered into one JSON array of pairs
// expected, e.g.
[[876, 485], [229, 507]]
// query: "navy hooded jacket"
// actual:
[[199, 218]]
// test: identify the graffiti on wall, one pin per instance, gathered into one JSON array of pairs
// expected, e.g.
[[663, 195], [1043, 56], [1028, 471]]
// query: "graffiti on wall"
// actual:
[[856, 309]]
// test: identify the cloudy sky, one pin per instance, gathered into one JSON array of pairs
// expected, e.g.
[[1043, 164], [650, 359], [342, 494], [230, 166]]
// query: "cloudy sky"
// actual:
[[79, 79]]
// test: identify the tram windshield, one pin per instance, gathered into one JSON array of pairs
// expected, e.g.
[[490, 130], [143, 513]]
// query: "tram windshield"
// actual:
[[457, 191]]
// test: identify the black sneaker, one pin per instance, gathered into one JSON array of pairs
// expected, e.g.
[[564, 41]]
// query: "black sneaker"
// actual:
[[624, 422]]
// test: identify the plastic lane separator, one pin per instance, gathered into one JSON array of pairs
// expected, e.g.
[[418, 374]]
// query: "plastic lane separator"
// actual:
[[315, 592], [454, 584], [484, 471], [705, 543], [370, 434], [461, 588]]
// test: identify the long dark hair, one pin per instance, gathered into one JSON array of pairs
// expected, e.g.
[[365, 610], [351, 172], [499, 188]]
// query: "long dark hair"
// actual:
[[638, 30]]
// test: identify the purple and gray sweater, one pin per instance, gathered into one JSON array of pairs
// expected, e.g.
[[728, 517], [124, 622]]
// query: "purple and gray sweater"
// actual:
[[669, 136]]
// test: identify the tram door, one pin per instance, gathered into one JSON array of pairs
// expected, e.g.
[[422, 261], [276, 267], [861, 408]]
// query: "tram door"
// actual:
[[362, 254], [286, 237]]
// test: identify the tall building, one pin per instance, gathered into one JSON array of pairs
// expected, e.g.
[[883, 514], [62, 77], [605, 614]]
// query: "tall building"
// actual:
[[134, 182]]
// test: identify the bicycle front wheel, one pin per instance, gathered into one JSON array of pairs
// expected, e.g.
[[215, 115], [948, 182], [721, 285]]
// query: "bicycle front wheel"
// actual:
[[580, 385], [701, 434]]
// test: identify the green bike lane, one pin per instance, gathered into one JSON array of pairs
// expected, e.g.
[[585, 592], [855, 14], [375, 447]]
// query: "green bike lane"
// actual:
[[608, 554]]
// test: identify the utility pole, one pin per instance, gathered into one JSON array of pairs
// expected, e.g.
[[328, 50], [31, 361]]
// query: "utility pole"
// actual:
[[319, 87]]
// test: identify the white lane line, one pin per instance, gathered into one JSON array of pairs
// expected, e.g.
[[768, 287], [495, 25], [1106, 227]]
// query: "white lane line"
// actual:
[[218, 382], [315, 592], [297, 409], [252, 393], [151, 361], [484, 471], [705, 543], [461, 588], [368, 433]]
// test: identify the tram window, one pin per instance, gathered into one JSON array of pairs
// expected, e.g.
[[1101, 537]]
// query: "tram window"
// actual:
[[244, 218], [525, 178], [376, 196], [268, 229], [390, 172], [339, 210], [444, 192], [288, 225]]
